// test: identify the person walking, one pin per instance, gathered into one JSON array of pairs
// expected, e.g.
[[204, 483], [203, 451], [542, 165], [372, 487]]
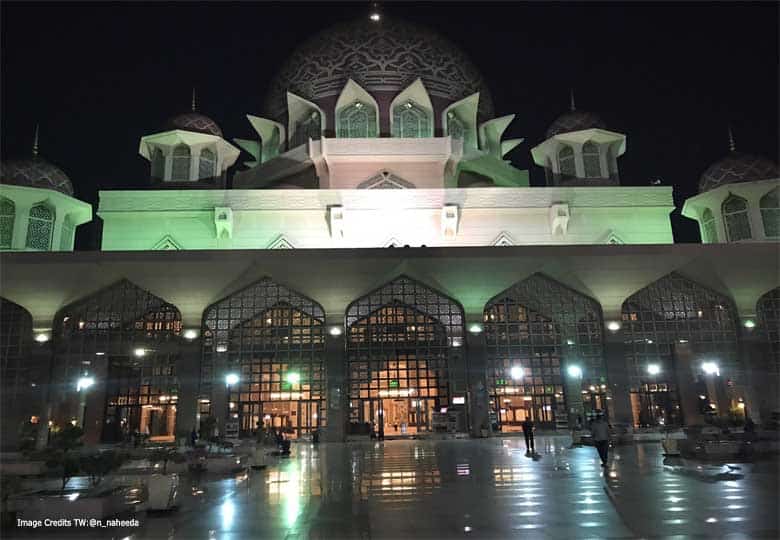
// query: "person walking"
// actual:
[[528, 433], [599, 428]]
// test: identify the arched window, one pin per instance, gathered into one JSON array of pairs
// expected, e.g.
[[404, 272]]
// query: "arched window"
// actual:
[[566, 162], [307, 128], [207, 164], [770, 213], [40, 227], [18, 369], [7, 216], [768, 310], [591, 160], [455, 127], [357, 120], [411, 121], [709, 231], [181, 164], [158, 164], [735, 215]]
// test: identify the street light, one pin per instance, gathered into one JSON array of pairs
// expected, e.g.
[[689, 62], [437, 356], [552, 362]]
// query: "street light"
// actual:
[[653, 369], [574, 371], [710, 368], [83, 383], [516, 372], [231, 379]]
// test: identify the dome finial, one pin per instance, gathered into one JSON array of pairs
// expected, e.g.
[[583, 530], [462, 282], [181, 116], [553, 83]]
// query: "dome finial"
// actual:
[[194, 104], [35, 142], [732, 146], [571, 98]]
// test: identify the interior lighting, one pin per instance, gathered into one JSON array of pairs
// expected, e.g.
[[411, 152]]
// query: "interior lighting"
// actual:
[[475, 328], [84, 382], [516, 372], [613, 326], [190, 334], [42, 337], [221, 348], [293, 377], [140, 352], [574, 371], [335, 331], [749, 324], [710, 368], [231, 379], [653, 369]]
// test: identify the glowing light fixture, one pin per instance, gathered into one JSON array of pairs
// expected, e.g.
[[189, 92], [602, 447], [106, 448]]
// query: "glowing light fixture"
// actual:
[[710, 368], [293, 377], [749, 324], [232, 378], [653, 369], [516, 372], [475, 328], [84, 382], [190, 334], [335, 331], [574, 371], [613, 326], [221, 348], [42, 337], [139, 352]]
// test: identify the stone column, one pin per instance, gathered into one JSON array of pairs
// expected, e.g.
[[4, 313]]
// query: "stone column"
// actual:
[[336, 387], [188, 375], [478, 397], [618, 380], [219, 391], [687, 387]]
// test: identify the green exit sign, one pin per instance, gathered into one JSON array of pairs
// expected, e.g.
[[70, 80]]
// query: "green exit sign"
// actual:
[[393, 383], [500, 382]]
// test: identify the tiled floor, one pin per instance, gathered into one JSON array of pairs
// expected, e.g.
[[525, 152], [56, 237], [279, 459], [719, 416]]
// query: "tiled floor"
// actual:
[[475, 488]]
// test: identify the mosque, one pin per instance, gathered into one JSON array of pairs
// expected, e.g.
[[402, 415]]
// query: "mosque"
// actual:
[[376, 261]]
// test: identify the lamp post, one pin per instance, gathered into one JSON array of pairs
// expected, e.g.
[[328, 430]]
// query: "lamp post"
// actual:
[[82, 385], [231, 379]]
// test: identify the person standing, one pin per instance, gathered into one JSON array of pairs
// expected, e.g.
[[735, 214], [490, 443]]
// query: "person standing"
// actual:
[[599, 428], [528, 433]]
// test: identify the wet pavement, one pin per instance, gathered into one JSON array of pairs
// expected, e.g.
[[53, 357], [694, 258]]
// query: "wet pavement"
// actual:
[[486, 488]]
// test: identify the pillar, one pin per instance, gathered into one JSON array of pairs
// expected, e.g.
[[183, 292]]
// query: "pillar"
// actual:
[[759, 387], [336, 386], [478, 396], [618, 380], [687, 387], [188, 375]]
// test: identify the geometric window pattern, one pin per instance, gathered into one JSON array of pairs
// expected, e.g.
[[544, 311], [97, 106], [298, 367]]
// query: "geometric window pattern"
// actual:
[[207, 164], [768, 309], [770, 213], [181, 164], [708, 227], [263, 333], [357, 120], [15, 341], [566, 162], [399, 343], [40, 228], [158, 164], [735, 214], [111, 325], [7, 216], [540, 325], [591, 160], [675, 310], [385, 180], [307, 128], [411, 121]]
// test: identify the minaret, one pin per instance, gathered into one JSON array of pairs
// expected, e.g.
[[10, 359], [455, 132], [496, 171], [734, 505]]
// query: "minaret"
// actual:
[[194, 105]]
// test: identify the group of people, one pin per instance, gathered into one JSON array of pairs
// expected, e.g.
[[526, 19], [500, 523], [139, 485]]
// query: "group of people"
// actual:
[[599, 428]]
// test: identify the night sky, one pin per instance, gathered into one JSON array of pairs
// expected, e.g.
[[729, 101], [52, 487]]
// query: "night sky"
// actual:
[[99, 76]]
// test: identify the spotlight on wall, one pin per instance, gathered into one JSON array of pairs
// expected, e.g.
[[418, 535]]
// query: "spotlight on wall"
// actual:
[[574, 371], [516, 372], [231, 379], [475, 328], [42, 337], [653, 369], [84, 382], [190, 334], [139, 352], [613, 326], [335, 331], [710, 368]]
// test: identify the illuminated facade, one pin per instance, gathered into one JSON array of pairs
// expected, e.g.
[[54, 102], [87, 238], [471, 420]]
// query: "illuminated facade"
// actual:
[[239, 292]]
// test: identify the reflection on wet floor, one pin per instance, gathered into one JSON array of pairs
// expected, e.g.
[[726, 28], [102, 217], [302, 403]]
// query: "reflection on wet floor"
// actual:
[[475, 488]]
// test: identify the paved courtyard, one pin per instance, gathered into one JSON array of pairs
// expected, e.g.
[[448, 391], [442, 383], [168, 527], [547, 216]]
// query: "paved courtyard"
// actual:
[[475, 488]]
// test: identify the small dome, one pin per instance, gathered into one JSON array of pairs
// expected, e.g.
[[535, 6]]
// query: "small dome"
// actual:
[[194, 121], [575, 121], [35, 172], [736, 168]]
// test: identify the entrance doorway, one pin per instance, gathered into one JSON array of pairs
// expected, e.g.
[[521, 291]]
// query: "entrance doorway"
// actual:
[[294, 418], [401, 416], [512, 411]]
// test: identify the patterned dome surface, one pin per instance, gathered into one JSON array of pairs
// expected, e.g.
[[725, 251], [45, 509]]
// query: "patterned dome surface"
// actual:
[[575, 121], [37, 173], [381, 57], [735, 168], [194, 121]]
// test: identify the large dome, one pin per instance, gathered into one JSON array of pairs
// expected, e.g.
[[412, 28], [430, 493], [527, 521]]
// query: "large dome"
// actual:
[[575, 121], [35, 172], [382, 57], [194, 121], [735, 168]]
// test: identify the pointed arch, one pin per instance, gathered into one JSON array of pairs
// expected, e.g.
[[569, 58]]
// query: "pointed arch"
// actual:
[[40, 227], [17, 371], [180, 171], [269, 332], [770, 213], [167, 243], [207, 164], [591, 160], [412, 112], [157, 160], [503, 239], [7, 220], [708, 227], [566, 165], [357, 113], [281, 242], [459, 120], [736, 218]]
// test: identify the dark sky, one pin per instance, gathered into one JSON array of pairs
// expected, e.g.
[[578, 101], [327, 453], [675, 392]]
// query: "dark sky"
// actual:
[[98, 76]]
